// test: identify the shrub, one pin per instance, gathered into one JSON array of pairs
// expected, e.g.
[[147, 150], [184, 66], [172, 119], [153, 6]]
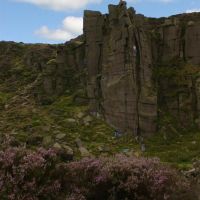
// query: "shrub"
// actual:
[[40, 175], [26, 175], [121, 178]]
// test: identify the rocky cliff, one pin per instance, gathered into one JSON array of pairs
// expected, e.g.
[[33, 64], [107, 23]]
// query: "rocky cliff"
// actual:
[[41, 70], [143, 71], [119, 61], [141, 74]]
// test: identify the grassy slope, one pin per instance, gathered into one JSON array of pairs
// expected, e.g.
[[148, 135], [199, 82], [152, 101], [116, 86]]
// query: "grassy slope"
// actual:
[[179, 150], [27, 119]]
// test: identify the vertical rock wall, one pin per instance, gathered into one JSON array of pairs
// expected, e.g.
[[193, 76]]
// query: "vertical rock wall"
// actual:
[[119, 62], [178, 64]]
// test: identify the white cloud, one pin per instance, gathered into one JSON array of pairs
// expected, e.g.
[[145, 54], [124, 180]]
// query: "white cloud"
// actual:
[[193, 10], [162, 1], [60, 4], [71, 28], [73, 24]]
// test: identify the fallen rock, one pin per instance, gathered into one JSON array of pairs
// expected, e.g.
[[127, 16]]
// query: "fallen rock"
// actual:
[[60, 136], [125, 150], [79, 142], [70, 120], [57, 146], [48, 140], [194, 142], [100, 148], [46, 128], [80, 115], [6, 107], [68, 149], [87, 120], [130, 153], [104, 149], [84, 152], [65, 152]]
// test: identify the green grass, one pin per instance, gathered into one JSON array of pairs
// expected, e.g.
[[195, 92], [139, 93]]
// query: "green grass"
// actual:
[[178, 150], [4, 98]]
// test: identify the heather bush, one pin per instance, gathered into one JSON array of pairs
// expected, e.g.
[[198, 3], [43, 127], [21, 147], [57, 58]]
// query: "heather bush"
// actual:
[[26, 175], [40, 175], [125, 178]]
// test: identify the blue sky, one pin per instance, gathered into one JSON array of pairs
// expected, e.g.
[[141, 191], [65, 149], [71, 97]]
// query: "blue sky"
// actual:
[[55, 21]]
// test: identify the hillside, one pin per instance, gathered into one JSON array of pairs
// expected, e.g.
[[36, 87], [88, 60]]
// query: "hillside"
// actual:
[[139, 74], [129, 85]]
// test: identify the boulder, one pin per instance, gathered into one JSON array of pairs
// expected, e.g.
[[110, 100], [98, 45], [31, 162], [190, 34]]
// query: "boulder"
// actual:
[[60, 136], [83, 151], [87, 120], [71, 120], [65, 152], [47, 141]]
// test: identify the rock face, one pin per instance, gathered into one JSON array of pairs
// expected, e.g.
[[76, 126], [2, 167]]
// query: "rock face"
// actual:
[[61, 72], [43, 70], [142, 73], [119, 61], [177, 64], [140, 68]]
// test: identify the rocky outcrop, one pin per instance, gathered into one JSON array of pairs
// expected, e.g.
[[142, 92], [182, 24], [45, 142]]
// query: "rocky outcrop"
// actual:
[[141, 70], [177, 65], [64, 71], [42, 70], [120, 69]]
